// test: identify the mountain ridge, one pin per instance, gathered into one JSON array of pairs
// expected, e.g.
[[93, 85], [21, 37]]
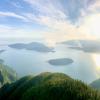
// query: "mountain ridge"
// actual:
[[48, 86]]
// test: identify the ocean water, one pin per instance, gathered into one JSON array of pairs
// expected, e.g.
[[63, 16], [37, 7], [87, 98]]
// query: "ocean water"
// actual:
[[26, 62]]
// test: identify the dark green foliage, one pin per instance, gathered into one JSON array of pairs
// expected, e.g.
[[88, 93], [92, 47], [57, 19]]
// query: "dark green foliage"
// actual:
[[48, 86]]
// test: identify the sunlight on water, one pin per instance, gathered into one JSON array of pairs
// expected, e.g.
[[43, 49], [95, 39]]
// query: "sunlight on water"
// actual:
[[97, 60]]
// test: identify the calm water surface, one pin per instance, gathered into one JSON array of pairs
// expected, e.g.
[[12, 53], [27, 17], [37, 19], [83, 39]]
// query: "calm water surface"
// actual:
[[31, 62]]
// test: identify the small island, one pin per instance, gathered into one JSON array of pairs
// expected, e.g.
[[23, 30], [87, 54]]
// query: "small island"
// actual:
[[89, 46], [36, 46], [60, 61]]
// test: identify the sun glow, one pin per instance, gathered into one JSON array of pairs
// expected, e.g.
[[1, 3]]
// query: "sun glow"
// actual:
[[97, 61], [92, 25]]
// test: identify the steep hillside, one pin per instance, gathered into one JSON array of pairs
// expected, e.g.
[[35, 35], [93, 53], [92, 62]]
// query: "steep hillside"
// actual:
[[48, 86], [7, 75]]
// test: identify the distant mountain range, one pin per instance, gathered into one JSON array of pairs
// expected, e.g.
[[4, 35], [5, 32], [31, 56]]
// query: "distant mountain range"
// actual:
[[7, 75], [48, 86]]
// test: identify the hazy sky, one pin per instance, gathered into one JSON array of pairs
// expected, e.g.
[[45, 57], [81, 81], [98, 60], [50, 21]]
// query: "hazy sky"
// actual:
[[51, 20]]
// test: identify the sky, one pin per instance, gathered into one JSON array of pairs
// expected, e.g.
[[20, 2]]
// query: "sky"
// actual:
[[51, 20]]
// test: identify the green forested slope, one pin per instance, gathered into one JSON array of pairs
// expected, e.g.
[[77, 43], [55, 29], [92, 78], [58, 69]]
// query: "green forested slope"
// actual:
[[7, 75], [48, 86]]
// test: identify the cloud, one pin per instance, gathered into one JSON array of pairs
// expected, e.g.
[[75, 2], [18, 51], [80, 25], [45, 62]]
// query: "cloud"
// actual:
[[59, 26], [53, 17], [7, 31], [50, 11], [47, 8], [16, 4], [12, 14], [90, 25], [65, 9], [46, 11], [95, 7]]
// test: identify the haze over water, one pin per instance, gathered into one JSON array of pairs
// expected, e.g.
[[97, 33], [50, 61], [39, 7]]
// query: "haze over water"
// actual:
[[26, 62]]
